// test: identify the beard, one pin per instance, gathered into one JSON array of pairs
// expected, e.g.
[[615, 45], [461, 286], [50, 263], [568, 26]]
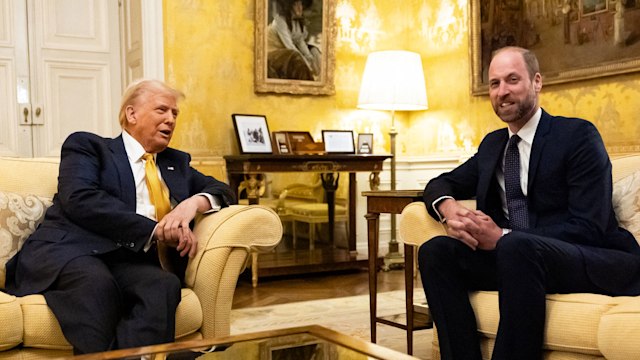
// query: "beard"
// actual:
[[518, 111]]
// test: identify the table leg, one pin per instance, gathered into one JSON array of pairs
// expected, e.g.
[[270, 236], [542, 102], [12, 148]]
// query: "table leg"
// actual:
[[373, 224], [408, 286], [253, 185], [330, 184]]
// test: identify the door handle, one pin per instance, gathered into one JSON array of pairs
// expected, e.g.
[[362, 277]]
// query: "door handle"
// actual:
[[25, 112], [38, 111]]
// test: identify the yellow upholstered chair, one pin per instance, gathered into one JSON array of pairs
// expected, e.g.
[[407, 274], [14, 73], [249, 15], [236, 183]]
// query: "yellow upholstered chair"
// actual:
[[303, 202], [313, 214], [30, 330], [578, 326]]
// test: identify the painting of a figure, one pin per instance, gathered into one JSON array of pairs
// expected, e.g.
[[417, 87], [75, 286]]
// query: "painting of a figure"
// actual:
[[294, 38], [295, 50]]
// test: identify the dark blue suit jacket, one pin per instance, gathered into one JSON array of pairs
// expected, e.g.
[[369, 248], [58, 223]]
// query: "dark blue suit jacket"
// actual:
[[569, 193], [94, 211]]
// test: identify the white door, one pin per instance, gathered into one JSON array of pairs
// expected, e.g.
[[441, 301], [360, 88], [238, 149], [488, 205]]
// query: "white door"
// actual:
[[59, 73]]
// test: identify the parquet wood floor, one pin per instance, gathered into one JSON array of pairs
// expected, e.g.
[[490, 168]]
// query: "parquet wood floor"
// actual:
[[286, 289]]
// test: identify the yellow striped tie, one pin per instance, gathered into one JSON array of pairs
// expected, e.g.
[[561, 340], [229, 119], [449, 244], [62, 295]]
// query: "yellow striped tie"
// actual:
[[160, 200]]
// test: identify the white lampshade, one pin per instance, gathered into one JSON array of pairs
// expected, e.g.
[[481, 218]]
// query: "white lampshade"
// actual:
[[393, 80]]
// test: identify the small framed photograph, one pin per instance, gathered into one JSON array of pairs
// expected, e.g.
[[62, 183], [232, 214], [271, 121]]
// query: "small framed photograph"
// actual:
[[252, 133], [281, 143], [338, 141], [365, 143]]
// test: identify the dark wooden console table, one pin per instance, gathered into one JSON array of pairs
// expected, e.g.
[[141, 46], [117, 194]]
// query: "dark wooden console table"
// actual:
[[391, 202], [249, 167]]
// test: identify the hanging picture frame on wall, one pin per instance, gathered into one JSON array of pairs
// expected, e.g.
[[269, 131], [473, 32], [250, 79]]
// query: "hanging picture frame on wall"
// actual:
[[309, 67], [587, 41], [252, 133]]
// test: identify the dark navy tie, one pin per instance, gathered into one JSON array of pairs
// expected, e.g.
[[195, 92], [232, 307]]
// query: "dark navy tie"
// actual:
[[516, 201]]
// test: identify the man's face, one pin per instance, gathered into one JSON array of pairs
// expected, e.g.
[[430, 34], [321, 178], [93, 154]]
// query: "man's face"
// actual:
[[151, 119], [514, 96]]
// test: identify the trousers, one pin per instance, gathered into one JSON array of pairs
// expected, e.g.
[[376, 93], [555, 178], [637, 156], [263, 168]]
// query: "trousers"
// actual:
[[113, 301], [523, 268]]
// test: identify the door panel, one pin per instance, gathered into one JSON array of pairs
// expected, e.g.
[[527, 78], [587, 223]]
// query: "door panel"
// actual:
[[76, 61], [77, 90], [15, 137]]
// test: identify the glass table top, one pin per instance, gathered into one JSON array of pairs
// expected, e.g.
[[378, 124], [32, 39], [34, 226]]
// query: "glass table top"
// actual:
[[300, 343]]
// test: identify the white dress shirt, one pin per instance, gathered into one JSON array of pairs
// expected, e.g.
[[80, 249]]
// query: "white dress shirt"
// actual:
[[144, 207]]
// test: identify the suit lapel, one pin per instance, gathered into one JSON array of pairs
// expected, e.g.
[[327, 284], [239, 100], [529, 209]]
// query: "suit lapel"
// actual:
[[491, 160], [121, 161], [172, 177], [539, 141]]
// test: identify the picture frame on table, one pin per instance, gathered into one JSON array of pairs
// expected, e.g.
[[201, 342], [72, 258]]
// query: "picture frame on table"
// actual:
[[252, 133], [365, 143], [338, 141], [302, 143], [281, 144]]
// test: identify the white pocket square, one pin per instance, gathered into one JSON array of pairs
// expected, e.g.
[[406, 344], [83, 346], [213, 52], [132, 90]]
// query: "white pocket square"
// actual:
[[170, 168]]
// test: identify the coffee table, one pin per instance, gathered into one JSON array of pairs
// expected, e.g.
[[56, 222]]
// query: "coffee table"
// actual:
[[300, 343]]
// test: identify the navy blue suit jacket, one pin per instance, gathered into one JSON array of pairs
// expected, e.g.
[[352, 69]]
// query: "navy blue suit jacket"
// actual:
[[569, 193], [94, 211]]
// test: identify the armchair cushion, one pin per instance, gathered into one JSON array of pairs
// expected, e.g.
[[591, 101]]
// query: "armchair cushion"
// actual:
[[11, 319], [19, 216], [626, 203], [578, 326]]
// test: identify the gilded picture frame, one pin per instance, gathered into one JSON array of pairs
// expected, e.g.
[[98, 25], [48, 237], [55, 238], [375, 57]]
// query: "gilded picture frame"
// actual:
[[576, 40], [280, 69]]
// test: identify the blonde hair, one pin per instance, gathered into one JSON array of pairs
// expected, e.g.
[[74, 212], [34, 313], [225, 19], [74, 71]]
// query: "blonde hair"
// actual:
[[141, 87]]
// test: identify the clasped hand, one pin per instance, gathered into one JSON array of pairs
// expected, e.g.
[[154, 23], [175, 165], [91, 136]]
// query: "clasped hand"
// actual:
[[473, 227], [174, 231]]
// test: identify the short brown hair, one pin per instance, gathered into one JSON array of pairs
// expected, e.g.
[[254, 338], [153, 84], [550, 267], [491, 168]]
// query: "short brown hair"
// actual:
[[140, 87], [530, 59]]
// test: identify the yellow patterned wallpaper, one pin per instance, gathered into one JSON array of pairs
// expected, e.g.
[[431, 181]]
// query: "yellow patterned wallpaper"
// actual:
[[209, 55]]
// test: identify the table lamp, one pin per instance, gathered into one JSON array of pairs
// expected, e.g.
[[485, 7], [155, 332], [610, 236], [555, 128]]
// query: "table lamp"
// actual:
[[393, 80]]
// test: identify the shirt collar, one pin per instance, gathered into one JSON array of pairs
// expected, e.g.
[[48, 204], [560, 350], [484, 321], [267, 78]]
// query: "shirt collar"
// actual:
[[528, 131], [133, 148]]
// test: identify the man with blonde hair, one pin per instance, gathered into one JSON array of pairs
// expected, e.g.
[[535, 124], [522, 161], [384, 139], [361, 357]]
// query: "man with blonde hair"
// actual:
[[120, 203]]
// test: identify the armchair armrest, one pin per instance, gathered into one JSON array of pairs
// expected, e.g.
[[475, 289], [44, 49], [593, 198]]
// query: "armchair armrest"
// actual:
[[225, 240], [417, 226]]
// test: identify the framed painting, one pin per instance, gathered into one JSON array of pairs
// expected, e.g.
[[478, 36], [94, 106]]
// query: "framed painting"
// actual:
[[252, 133], [295, 46], [576, 40]]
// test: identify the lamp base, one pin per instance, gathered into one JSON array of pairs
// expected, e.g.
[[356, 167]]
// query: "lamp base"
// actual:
[[393, 261]]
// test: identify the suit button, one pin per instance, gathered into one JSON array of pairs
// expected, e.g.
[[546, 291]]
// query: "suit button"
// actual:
[[131, 245], [118, 244]]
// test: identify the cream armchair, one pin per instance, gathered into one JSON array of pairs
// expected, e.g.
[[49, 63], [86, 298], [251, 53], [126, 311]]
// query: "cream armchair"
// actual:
[[579, 326], [29, 328]]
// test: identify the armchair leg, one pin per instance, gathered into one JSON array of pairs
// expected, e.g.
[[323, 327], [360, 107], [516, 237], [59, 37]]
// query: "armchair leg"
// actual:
[[294, 233], [254, 269]]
